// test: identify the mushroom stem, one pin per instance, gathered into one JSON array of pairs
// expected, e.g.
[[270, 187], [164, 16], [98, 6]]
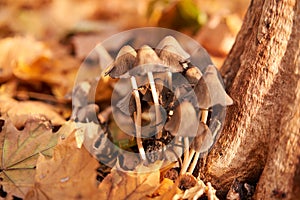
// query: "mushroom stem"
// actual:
[[138, 118], [204, 115], [156, 103], [194, 163], [193, 153], [185, 163], [169, 77]]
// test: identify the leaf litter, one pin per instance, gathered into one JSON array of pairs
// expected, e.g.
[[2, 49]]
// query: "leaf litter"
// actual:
[[20, 151], [32, 69]]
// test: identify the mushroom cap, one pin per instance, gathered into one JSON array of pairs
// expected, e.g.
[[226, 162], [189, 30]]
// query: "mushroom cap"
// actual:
[[184, 121], [172, 58], [204, 139], [193, 75], [203, 95], [146, 55], [210, 91], [171, 41], [124, 62], [146, 61], [217, 92]]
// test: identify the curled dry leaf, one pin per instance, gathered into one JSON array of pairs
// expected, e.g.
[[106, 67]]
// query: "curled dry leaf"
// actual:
[[19, 153], [69, 174], [20, 112], [136, 184]]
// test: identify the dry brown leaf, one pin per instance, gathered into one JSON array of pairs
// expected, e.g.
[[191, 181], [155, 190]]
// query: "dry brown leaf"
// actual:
[[20, 112], [165, 186], [19, 51], [34, 61], [69, 174], [130, 185], [19, 151]]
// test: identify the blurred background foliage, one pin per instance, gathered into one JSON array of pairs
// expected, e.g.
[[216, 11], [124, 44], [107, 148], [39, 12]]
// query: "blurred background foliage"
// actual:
[[43, 42]]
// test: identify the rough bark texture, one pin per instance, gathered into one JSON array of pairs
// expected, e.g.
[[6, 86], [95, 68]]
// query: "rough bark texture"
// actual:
[[260, 141]]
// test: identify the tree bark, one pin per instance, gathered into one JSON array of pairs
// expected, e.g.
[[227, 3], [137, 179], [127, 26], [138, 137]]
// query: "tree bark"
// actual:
[[260, 142]]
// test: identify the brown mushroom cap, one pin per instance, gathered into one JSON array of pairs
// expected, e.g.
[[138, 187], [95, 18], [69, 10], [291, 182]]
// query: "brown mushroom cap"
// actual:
[[171, 58], [203, 95], [210, 91], [146, 61], [171, 41], [146, 55], [184, 121], [217, 92], [124, 62], [204, 139], [193, 75]]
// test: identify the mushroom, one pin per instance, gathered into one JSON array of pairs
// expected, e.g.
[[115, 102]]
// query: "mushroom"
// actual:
[[170, 40], [209, 92], [172, 55], [201, 143], [181, 124], [123, 63], [216, 90], [171, 58], [146, 56]]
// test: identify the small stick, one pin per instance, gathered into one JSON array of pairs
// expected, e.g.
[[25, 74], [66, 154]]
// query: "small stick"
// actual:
[[138, 118]]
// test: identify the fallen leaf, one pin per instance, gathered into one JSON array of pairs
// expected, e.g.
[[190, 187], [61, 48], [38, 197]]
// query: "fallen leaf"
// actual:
[[19, 151], [34, 62], [20, 51], [69, 174], [127, 185], [20, 112], [165, 186]]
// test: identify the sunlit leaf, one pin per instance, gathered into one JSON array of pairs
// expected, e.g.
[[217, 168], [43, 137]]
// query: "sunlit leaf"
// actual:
[[19, 152], [69, 174], [20, 112], [130, 185]]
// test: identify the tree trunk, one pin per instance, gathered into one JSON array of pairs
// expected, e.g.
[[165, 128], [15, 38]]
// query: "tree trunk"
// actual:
[[260, 142]]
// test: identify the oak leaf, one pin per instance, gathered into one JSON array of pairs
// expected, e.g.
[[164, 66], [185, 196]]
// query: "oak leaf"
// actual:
[[19, 151], [69, 174], [136, 184]]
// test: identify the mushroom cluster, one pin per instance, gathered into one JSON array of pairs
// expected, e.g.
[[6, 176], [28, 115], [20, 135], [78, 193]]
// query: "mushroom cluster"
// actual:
[[172, 95]]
